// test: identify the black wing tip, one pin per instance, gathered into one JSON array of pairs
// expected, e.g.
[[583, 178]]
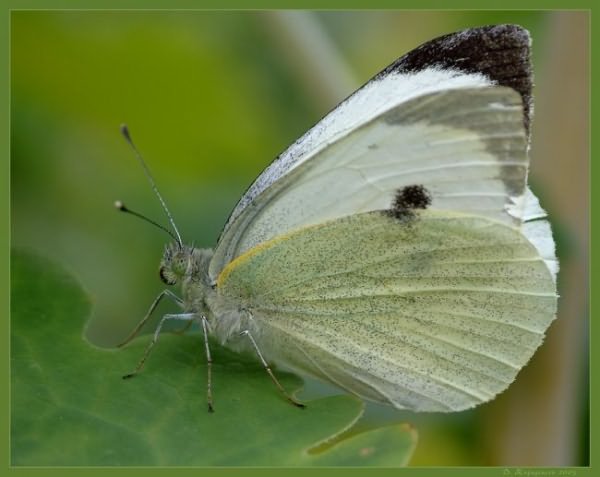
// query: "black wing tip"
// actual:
[[499, 52], [465, 49]]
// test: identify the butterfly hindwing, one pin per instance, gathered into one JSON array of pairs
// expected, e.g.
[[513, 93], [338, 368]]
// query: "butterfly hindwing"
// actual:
[[435, 313]]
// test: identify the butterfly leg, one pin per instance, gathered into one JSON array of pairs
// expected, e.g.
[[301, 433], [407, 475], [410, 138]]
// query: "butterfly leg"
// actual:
[[268, 369], [140, 365], [209, 398], [136, 330]]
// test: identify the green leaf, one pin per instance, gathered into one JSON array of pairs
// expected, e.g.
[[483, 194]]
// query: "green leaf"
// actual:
[[71, 407]]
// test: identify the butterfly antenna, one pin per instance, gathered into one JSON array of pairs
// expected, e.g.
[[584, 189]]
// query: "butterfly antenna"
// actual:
[[127, 136], [121, 206]]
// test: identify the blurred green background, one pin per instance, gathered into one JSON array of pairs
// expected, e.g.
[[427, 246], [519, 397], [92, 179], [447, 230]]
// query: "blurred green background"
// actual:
[[211, 98]]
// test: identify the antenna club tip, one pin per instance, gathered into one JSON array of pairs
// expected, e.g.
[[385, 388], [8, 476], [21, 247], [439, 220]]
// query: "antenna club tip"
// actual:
[[125, 131], [119, 205]]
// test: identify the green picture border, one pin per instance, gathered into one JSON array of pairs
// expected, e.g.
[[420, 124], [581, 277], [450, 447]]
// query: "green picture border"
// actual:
[[5, 10]]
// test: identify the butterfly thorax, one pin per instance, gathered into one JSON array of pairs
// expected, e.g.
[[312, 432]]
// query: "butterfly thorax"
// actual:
[[188, 266]]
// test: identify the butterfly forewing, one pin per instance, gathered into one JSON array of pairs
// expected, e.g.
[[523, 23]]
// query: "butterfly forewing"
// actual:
[[474, 58]]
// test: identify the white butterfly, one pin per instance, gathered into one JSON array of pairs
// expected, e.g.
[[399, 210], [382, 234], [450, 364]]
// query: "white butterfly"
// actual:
[[395, 249]]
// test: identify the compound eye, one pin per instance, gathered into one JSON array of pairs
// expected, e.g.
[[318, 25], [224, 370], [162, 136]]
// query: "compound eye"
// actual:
[[167, 276]]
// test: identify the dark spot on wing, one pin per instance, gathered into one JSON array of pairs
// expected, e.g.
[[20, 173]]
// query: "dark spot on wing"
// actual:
[[412, 197], [408, 199]]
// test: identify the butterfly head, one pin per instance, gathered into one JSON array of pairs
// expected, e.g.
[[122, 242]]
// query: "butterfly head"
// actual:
[[175, 263]]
